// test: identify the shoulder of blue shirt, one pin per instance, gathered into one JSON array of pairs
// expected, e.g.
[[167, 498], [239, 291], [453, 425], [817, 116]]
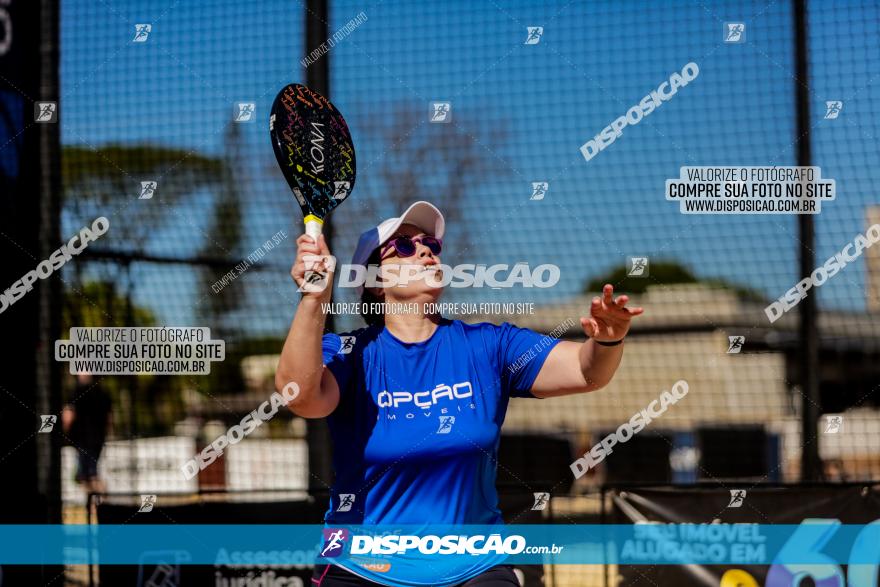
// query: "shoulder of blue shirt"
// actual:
[[477, 327]]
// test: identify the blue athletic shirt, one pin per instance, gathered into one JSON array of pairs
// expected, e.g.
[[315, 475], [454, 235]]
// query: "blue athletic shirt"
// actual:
[[417, 428]]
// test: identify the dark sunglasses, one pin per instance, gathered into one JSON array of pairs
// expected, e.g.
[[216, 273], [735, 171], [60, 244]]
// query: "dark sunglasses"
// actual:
[[406, 246]]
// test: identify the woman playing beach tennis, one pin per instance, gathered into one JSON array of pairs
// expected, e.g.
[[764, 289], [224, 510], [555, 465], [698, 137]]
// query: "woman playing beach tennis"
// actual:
[[415, 402]]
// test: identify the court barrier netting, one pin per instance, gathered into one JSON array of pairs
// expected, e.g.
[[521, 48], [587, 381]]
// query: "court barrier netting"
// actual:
[[162, 129]]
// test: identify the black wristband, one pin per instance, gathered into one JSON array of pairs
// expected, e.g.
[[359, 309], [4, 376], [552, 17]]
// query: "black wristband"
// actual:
[[613, 343]]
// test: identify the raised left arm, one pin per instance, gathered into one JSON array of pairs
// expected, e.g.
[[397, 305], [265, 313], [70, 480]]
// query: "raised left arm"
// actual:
[[573, 367]]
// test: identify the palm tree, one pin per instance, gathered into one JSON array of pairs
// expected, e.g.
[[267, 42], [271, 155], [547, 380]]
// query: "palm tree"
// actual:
[[106, 181]]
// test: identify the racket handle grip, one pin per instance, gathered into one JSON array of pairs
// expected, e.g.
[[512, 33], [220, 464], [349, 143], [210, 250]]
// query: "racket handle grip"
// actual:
[[313, 226]]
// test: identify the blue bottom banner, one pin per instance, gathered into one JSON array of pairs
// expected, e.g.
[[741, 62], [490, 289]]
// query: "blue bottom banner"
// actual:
[[816, 541]]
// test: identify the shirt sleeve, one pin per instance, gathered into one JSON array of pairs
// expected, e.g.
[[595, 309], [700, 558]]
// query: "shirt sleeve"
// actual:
[[338, 363], [522, 354]]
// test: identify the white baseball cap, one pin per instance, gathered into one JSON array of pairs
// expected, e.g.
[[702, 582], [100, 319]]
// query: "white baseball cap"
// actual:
[[421, 214]]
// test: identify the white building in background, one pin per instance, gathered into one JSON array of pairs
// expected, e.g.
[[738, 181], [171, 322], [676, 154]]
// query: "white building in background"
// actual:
[[684, 334]]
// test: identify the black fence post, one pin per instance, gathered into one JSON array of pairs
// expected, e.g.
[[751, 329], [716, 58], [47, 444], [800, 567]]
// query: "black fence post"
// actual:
[[49, 319], [808, 349], [318, 79]]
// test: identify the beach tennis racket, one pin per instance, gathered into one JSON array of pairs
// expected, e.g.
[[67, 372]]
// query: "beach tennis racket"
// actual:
[[313, 147]]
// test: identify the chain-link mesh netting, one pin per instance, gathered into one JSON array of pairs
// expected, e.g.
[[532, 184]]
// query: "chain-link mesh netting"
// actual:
[[202, 223]]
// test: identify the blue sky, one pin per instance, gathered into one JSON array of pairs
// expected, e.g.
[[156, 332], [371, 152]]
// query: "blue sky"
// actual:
[[594, 61]]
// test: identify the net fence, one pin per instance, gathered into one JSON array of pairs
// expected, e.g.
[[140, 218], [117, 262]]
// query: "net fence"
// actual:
[[494, 112]]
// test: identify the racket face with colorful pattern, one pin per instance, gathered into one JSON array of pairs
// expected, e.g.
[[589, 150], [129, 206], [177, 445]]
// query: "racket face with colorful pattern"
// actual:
[[314, 149]]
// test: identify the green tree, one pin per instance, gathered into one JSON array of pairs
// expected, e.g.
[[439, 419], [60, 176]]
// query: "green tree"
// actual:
[[664, 272], [223, 238], [98, 182], [142, 405], [106, 181]]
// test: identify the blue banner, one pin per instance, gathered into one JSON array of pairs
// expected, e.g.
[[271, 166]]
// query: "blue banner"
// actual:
[[810, 542]]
